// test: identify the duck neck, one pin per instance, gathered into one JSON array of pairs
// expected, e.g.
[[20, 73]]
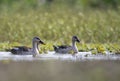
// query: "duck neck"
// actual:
[[74, 47], [35, 48]]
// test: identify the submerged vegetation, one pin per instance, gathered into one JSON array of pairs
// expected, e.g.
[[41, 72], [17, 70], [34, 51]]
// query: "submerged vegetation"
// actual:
[[98, 29]]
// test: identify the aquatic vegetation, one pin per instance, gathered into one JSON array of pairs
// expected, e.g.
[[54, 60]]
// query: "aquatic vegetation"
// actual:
[[97, 26], [56, 25], [94, 48], [57, 28]]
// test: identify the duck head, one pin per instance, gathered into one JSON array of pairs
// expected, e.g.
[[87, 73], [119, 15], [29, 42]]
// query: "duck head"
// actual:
[[38, 40], [75, 38]]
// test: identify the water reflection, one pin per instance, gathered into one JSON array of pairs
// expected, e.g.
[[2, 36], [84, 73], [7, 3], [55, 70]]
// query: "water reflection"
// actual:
[[54, 70]]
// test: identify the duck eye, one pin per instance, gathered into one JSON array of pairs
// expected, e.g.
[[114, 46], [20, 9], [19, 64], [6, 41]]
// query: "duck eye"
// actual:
[[75, 37], [37, 38]]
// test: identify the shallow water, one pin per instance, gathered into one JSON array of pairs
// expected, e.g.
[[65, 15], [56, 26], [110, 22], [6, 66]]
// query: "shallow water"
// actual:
[[81, 56], [54, 70], [56, 67]]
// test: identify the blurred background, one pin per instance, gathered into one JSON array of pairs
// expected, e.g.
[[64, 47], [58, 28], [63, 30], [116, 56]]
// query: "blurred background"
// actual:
[[56, 21], [91, 20], [79, 4]]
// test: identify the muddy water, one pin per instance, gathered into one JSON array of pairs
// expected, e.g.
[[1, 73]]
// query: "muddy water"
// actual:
[[58, 70]]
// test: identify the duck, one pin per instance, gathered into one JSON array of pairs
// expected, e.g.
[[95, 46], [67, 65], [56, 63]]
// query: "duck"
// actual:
[[24, 50], [64, 49]]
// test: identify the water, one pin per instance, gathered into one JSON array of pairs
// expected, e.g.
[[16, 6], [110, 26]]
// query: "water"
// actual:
[[56, 67], [81, 56], [54, 70]]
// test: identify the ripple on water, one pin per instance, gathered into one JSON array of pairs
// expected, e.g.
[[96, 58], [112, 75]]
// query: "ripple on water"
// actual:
[[53, 56]]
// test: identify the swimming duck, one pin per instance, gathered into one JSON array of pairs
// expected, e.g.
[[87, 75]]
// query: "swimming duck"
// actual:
[[23, 50], [63, 49]]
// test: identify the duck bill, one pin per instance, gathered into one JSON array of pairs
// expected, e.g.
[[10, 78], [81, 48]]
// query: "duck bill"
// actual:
[[41, 42], [78, 40]]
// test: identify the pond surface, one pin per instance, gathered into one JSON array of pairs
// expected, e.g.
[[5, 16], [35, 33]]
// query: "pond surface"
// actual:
[[81, 56], [56, 67], [54, 70]]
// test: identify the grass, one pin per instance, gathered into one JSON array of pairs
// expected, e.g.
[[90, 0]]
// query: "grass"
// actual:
[[98, 29]]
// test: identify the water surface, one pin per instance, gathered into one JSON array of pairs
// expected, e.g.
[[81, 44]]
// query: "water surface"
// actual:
[[81, 56], [56, 67], [54, 70]]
